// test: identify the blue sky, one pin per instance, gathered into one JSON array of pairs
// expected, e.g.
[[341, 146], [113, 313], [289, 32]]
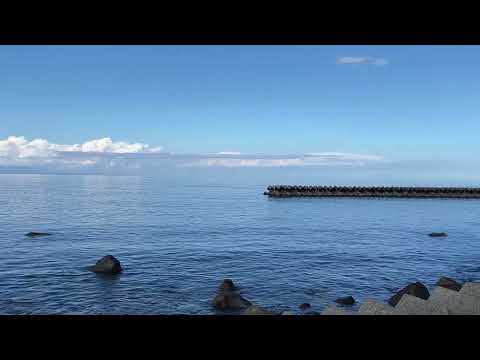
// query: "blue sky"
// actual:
[[404, 104]]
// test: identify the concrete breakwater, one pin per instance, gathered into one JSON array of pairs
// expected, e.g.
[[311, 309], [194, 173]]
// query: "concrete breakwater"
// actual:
[[372, 191]]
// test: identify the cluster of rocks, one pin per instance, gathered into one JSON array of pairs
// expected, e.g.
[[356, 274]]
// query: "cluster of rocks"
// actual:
[[229, 300], [448, 298]]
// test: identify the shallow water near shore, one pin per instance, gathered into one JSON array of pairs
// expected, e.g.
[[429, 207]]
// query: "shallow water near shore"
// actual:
[[177, 241]]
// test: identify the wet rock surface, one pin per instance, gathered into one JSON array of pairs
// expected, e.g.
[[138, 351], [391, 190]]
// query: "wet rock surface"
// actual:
[[416, 289], [449, 283], [107, 265], [229, 297], [347, 300], [304, 306], [438, 234], [37, 234]]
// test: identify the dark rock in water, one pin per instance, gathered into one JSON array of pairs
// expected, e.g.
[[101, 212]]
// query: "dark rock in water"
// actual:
[[438, 234], [304, 306], [107, 265], [265, 193], [348, 300], [230, 301], [257, 310], [415, 289], [449, 284], [34, 234], [227, 285], [229, 298]]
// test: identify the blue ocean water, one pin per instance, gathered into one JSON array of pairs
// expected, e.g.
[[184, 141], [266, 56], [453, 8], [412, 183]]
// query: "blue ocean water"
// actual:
[[177, 241]]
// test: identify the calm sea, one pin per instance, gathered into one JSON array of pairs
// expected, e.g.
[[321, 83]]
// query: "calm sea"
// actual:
[[176, 242]]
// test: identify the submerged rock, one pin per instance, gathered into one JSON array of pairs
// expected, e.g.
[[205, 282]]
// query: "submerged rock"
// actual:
[[304, 306], [287, 312], [107, 265], [449, 284], [437, 234], [415, 289], [257, 310], [229, 297], [348, 300], [34, 234]]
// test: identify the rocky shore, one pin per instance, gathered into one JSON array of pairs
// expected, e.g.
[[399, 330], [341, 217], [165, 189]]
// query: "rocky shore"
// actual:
[[447, 298]]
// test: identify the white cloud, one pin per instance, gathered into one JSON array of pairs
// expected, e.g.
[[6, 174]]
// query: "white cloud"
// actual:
[[346, 156], [362, 60], [106, 155], [18, 147], [312, 159]]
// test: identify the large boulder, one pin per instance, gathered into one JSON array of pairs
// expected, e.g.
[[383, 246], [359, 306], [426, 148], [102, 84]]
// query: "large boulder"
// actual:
[[449, 284], [35, 234], [229, 297], [257, 310], [107, 265], [415, 289], [347, 301]]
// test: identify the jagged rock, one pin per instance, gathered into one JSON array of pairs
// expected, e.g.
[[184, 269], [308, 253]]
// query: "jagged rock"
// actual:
[[373, 307], [107, 265], [35, 234], [471, 289], [348, 300], [443, 301], [437, 234], [257, 310], [449, 283], [415, 289], [304, 306], [464, 302], [467, 305], [412, 305], [229, 298], [333, 309]]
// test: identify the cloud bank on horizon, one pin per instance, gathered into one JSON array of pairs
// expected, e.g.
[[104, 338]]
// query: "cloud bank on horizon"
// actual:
[[105, 154], [361, 60]]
